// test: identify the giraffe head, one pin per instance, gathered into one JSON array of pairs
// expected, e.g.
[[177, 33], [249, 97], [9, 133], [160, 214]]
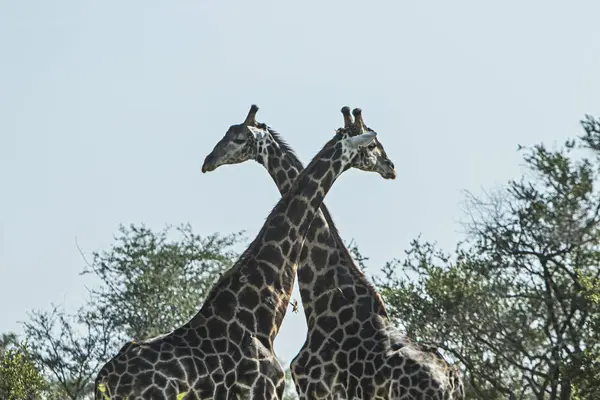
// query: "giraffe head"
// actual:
[[358, 150], [242, 142], [251, 140], [382, 164]]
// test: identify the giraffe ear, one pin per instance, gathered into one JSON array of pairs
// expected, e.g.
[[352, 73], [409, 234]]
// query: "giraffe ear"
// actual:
[[363, 139], [257, 132]]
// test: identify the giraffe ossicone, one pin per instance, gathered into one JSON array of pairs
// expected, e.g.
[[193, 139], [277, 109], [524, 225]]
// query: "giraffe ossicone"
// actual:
[[226, 350]]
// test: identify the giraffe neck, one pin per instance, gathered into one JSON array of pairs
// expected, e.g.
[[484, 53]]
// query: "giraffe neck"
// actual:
[[324, 253], [255, 292]]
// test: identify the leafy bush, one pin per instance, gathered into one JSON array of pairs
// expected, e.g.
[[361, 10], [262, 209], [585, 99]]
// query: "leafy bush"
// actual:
[[20, 377]]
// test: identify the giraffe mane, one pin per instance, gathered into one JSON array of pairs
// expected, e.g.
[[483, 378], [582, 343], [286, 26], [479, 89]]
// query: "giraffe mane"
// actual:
[[354, 270], [287, 149]]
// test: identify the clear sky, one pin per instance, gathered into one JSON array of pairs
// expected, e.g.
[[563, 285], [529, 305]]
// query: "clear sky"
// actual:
[[107, 110]]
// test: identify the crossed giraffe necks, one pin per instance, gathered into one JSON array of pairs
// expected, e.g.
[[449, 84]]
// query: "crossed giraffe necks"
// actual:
[[269, 263], [325, 265], [221, 346]]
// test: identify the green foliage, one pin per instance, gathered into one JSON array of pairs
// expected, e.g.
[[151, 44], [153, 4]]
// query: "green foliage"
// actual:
[[151, 283], [7, 340], [358, 257], [290, 388], [102, 389], [517, 303], [590, 287], [19, 376]]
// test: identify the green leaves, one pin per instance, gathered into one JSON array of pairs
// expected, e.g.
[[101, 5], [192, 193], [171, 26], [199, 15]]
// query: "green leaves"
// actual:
[[290, 388], [102, 389], [20, 377], [155, 281]]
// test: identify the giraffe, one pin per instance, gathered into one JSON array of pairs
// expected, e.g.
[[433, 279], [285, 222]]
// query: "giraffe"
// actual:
[[226, 350], [352, 350]]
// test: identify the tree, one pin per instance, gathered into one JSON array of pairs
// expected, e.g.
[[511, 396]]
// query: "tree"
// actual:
[[586, 383], [71, 348], [20, 377], [151, 282], [290, 388], [7, 340], [515, 303]]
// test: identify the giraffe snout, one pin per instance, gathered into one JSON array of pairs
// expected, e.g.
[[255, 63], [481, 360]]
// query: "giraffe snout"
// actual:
[[209, 164], [390, 172]]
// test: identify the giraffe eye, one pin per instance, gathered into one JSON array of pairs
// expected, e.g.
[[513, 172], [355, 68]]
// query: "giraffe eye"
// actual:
[[239, 140]]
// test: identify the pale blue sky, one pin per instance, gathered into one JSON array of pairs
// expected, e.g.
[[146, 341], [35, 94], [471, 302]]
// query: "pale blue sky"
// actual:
[[107, 110]]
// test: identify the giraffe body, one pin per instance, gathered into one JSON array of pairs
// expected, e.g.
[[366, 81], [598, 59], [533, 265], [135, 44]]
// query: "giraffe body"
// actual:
[[226, 350], [352, 350]]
